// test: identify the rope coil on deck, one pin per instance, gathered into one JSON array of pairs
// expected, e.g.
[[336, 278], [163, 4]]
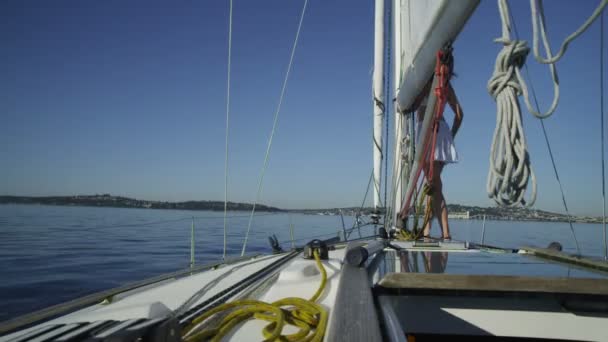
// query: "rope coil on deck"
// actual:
[[307, 315]]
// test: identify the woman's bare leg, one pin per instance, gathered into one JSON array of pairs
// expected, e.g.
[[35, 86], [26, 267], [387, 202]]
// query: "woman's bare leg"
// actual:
[[427, 226], [443, 215], [440, 207]]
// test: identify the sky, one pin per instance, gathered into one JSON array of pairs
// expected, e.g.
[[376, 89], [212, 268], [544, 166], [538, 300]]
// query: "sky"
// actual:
[[128, 98]]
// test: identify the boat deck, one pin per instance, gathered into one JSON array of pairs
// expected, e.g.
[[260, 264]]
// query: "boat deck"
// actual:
[[434, 290], [468, 261], [419, 289]]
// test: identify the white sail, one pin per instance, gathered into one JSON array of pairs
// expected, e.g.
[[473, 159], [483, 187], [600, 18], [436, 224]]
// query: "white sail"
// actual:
[[378, 98], [421, 29], [398, 160], [426, 25]]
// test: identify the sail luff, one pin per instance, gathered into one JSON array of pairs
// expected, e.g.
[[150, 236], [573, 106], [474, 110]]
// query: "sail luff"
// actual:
[[399, 120], [378, 98]]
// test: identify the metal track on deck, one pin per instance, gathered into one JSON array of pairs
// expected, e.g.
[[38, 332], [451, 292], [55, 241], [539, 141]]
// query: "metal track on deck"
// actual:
[[227, 293]]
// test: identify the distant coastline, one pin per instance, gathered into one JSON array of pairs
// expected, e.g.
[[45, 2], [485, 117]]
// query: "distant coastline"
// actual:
[[107, 200], [465, 212], [457, 211]]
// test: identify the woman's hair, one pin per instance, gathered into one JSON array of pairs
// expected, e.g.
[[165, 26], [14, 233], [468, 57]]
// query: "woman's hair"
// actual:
[[448, 59]]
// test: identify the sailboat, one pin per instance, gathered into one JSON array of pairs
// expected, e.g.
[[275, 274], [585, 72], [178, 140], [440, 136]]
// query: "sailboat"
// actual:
[[387, 287]]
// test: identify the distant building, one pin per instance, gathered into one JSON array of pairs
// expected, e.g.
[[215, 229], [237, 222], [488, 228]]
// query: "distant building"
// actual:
[[465, 215]]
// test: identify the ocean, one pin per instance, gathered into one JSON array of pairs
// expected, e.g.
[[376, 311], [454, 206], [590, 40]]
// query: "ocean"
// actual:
[[51, 254]]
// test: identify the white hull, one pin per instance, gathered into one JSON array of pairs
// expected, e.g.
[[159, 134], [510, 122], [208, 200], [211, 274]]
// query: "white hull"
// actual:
[[445, 314]]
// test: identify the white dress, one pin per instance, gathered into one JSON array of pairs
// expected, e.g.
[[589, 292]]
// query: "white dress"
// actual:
[[445, 150]]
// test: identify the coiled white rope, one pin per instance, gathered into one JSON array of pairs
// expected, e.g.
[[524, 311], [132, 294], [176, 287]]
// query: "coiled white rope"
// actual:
[[274, 126], [510, 171]]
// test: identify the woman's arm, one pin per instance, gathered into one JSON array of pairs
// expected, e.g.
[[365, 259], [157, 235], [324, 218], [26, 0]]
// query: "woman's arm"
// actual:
[[455, 105]]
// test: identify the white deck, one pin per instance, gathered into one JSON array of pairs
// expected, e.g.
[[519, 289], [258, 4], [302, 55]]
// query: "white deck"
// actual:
[[300, 278], [498, 317], [160, 299]]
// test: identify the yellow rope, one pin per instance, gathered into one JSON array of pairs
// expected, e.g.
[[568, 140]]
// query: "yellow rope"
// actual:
[[310, 317], [404, 234]]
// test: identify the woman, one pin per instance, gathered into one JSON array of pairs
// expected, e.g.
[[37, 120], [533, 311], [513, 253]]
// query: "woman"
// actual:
[[445, 152]]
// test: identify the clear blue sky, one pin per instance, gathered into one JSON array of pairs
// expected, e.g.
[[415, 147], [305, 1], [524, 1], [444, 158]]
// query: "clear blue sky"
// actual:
[[128, 98]]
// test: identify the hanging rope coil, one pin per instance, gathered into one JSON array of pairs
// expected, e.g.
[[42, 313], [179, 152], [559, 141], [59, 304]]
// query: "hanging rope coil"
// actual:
[[510, 169], [537, 12]]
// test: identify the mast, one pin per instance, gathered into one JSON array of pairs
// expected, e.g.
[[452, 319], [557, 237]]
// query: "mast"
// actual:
[[399, 120], [378, 98]]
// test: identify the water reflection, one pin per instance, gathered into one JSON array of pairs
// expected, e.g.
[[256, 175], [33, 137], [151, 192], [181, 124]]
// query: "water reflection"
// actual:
[[423, 261]]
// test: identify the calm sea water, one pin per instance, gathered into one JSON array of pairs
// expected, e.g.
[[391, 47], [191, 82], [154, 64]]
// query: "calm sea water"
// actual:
[[50, 254]]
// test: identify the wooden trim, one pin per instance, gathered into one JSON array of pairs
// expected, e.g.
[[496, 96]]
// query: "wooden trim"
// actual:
[[491, 283], [567, 258]]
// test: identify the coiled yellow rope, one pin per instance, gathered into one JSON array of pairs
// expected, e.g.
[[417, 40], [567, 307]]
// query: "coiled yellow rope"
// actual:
[[310, 317]]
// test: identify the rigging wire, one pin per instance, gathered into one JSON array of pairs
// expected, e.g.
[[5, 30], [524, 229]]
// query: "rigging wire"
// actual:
[[542, 123], [602, 135], [365, 196], [227, 126], [358, 212], [274, 126], [559, 182]]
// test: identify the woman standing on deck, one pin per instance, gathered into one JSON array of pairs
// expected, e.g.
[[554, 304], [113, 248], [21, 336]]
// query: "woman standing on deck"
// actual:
[[445, 151]]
